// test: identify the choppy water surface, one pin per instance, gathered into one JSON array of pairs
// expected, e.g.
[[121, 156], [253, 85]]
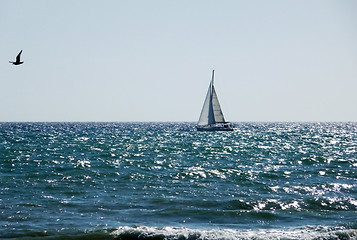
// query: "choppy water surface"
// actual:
[[167, 181]]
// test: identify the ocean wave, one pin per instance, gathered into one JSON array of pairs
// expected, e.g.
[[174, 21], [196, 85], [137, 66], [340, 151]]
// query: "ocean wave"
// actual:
[[182, 233], [173, 233]]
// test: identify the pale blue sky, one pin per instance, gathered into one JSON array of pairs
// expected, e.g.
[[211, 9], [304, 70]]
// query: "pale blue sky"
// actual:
[[152, 60]]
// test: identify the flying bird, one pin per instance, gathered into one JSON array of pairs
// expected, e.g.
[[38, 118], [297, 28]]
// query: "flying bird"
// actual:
[[18, 61]]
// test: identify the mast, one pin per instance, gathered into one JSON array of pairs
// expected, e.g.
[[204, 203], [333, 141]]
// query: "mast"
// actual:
[[211, 119], [216, 108], [212, 77]]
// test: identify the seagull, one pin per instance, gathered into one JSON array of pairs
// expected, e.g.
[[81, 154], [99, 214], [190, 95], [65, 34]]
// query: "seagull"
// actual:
[[18, 61]]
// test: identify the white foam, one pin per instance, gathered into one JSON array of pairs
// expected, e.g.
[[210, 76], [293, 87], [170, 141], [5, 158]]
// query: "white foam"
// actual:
[[170, 233]]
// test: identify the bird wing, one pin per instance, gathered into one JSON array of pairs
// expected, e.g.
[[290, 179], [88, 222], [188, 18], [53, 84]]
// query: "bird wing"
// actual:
[[18, 56]]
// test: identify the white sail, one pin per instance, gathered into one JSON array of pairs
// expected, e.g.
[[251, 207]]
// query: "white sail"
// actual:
[[211, 111], [217, 111], [207, 116]]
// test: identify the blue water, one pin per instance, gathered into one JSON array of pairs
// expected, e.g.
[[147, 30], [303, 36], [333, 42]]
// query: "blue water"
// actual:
[[168, 181]]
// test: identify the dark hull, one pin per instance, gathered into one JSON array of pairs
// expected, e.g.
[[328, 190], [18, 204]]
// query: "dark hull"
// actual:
[[215, 128]]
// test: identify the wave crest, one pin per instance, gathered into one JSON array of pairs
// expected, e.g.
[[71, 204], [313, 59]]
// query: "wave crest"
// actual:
[[181, 233]]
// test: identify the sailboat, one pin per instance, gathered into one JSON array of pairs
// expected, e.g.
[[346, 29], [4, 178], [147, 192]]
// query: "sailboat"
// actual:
[[211, 118]]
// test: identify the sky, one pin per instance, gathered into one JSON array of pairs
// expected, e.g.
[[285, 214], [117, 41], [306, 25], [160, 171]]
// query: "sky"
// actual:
[[140, 60]]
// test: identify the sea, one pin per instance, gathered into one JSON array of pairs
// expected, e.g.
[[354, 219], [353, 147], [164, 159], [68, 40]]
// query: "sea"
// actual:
[[168, 181]]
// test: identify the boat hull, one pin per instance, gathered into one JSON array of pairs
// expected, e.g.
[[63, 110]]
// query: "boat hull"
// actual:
[[220, 127]]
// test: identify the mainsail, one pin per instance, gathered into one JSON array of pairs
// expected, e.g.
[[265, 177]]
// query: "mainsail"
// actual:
[[211, 111]]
